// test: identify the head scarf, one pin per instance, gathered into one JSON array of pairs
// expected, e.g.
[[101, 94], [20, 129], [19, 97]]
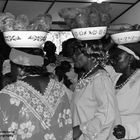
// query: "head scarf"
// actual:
[[94, 50], [26, 59], [131, 48]]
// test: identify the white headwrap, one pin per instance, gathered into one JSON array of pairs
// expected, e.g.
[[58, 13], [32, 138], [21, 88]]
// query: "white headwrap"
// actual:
[[23, 58], [128, 51]]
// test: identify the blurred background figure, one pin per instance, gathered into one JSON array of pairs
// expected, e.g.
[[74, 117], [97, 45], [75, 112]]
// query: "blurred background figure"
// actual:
[[108, 43], [68, 47], [50, 56], [50, 52], [65, 73], [35, 106], [4, 55]]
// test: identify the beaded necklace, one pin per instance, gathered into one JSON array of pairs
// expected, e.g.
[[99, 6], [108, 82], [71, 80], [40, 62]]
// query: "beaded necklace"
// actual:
[[22, 77], [121, 85], [85, 75]]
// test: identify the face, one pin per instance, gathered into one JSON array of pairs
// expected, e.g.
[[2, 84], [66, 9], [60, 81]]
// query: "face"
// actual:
[[80, 60], [120, 61]]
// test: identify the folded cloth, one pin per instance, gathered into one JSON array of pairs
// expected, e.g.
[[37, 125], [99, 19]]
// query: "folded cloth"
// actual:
[[23, 58]]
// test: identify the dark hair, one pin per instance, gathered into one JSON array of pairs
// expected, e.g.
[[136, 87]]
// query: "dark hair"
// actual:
[[90, 44], [49, 47], [92, 49], [107, 42], [4, 54], [68, 47], [61, 71], [4, 48], [7, 79], [135, 64]]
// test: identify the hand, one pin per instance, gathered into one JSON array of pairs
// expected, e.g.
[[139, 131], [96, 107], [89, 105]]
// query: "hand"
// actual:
[[119, 131], [76, 132]]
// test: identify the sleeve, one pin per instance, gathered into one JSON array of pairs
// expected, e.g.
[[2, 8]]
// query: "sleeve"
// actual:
[[132, 131], [102, 122], [132, 118]]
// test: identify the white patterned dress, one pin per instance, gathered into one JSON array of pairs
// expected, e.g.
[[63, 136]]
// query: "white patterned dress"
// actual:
[[129, 106], [95, 107], [27, 114]]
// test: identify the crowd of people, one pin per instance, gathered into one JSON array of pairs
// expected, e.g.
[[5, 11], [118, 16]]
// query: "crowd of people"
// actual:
[[88, 91]]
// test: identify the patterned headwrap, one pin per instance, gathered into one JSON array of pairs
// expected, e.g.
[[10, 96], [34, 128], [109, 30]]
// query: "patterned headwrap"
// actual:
[[93, 49], [26, 59]]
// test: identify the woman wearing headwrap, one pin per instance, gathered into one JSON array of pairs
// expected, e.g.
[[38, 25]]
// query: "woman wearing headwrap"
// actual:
[[126, 60], [94, 106], [35, 107]]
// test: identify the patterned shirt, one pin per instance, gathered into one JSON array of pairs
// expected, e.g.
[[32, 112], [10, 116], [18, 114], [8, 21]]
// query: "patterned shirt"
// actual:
[[26, 113]]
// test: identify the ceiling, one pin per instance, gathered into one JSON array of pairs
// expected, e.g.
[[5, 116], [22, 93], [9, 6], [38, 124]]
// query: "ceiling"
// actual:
[[32, 8]]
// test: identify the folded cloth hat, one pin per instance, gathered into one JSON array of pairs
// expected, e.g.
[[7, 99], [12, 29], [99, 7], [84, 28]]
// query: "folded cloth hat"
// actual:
[[26, 59], [131, 48]]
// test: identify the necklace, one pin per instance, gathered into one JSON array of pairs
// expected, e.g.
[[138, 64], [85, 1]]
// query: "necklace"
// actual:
[[85, 75], [121, 85], [22, 77]]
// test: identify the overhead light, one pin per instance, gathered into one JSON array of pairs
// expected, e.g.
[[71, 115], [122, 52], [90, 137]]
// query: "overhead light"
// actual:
[[98, 1]]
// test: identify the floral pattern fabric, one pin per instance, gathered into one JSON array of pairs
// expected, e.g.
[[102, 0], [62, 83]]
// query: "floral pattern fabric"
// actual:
[[27, 114]]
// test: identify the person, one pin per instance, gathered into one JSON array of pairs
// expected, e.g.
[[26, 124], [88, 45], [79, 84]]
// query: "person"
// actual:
[[50, 56], [107, 44], [68, 47], [126, 60], [67, 53], [65, 74], [35, 106], [7, 79], [94, 107], [12, 73], [4, 55], [50, 52]]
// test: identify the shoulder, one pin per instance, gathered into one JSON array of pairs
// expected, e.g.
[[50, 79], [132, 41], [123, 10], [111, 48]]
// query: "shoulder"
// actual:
[[101, 73], [102, 77], [9, 89]]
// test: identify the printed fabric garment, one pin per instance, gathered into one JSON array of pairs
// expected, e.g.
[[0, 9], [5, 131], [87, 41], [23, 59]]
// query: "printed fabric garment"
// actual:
[[129, 105], [95, 107], [26, 114]]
